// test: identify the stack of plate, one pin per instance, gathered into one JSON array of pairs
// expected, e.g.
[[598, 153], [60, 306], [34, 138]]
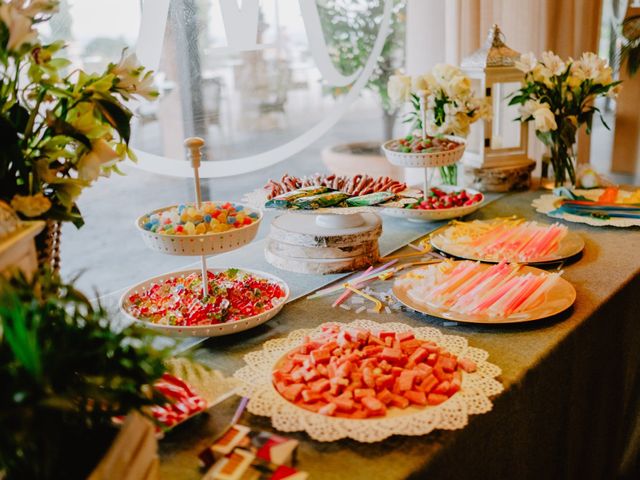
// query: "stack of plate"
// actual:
[[298, 244]]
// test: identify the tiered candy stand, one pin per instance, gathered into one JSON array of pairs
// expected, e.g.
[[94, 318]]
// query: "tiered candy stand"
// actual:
[[428, 161], [201, 245]]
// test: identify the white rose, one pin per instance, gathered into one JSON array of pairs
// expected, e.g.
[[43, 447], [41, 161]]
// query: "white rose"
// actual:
[[399, 89], [553, 62], [425, 82], [526, 63], [19, 26], [443, 73], [544, 119], [458, 87]]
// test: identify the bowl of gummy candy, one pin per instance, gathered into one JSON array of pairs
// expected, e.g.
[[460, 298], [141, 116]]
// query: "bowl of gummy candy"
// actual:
[[416, 151], [185, 229]]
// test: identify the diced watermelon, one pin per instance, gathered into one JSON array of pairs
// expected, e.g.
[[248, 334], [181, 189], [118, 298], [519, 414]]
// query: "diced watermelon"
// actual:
[[310, 375], [417, 356], [320, 385], [292, 392], [320, 356], [309, 396], [384, 335], [410, 346], [329, 409], [344, 404], [405, 336], [432, 358], [368, 377], [424, 367], [467, 365], [442, 388], [399, 401], [448, 363], [385, 396], [436, 398], [418, 398], [439, 373], [360, 393], [405, 380], [374, 406], [391, 355], [280, 386], [372, 350], [287, 366], [431, 348], [428, 384], [385, 381]]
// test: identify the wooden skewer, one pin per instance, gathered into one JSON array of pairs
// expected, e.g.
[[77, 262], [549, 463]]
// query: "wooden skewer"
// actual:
[[194, 144]]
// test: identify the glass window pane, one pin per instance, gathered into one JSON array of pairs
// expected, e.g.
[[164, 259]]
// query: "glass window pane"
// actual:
[[506, 130]]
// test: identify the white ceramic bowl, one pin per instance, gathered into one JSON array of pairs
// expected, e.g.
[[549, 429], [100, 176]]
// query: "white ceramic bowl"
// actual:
[[204, 244], [425, 160], [215, 330], [418, 215]]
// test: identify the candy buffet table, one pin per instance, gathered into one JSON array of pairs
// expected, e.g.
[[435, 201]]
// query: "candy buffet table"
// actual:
[[571, 405]]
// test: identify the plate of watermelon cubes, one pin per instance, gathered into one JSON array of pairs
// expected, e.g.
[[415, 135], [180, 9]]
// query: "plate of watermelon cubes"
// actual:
[[368, 381]]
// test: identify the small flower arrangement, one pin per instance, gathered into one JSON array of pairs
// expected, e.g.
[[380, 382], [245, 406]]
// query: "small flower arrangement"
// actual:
[[450, 106], [558, 96], [60, 129]]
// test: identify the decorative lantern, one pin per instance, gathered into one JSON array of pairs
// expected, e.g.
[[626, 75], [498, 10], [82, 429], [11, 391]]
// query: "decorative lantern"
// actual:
[[496, 155]]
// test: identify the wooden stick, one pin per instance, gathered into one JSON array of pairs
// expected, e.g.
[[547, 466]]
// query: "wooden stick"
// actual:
[[194, 144]]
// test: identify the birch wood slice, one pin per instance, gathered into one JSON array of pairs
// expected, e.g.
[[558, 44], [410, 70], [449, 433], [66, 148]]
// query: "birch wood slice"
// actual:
[[321, 266], [295, 251], [301, 230]]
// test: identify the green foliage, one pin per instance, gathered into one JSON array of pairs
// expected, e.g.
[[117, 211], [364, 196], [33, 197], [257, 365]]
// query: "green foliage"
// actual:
[[60, 128], [65, 373], [350, 28]]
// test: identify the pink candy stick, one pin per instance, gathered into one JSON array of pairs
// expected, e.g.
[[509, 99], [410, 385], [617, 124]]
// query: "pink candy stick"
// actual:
[[347, 293], [532, 286]]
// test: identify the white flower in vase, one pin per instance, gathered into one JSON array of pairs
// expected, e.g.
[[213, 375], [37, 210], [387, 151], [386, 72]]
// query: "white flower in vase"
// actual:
[[19, 26], [553, 63], [399, 89], [526, 63], [544, 119]]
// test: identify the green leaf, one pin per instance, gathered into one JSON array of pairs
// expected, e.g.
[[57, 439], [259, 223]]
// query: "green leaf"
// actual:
[[117, 116]]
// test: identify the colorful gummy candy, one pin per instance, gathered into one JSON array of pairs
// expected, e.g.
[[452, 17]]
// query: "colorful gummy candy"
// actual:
[[233, 295], [209, 218]]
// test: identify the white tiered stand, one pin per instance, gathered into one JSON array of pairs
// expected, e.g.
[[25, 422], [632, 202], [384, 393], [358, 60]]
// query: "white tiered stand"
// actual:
[[203, 245]]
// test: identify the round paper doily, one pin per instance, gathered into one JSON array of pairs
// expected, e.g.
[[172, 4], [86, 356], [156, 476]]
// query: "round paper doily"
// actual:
[[473, 398], [547, 203]]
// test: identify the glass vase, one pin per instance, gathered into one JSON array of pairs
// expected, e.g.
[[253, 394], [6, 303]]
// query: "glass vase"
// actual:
[[558, 168], [449, 174]]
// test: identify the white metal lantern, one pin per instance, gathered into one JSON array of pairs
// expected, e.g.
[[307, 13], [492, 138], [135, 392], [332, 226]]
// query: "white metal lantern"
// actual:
[[499, 142]]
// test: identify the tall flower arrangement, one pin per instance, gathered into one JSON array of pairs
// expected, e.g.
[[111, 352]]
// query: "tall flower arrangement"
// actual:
[[60, 128], [450, 104], [558, 96]]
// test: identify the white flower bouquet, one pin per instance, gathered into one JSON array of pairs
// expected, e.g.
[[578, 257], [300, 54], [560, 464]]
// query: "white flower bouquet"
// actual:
[[450, 106], [60, 129], [558, 96]]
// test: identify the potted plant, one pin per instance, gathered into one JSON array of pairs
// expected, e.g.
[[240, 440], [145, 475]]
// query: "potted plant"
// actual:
[[558, 96], [350, 30], [60, 128], [65, 375]]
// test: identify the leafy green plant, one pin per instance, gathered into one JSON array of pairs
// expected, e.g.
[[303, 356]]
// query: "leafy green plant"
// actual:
[[65, 373], [350, 28], [60, 130]]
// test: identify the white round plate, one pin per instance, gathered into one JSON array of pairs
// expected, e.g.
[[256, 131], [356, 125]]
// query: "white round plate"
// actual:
[[571, 245], [417, 215], [425, 160], [557, 300], [473, 398], [548, 202], [204, 244], [214, 330]]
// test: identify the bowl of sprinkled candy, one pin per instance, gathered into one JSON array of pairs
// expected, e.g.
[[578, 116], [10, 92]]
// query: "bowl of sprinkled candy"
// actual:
[[215, 227], [172, 303]]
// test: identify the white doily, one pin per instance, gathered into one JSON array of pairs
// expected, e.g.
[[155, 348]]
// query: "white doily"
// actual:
[[473, 398], [547, 203]]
